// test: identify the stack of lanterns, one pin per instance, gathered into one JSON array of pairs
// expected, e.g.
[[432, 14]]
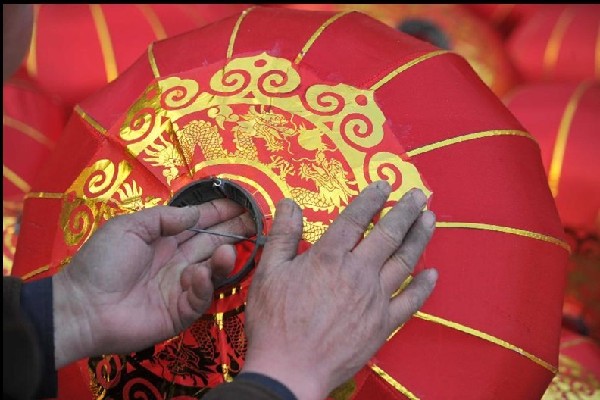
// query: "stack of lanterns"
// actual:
[[541, 61]]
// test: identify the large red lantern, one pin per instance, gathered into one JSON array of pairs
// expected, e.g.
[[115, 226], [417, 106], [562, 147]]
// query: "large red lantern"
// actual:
[[314, 106], [77, 48], [448, 26], [32, 120], [558, 43]]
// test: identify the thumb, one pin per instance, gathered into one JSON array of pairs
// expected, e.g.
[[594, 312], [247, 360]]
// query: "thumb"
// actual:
[[285, 234], [152, 223]]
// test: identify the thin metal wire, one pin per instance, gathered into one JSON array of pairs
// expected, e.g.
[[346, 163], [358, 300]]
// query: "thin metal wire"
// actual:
[[230, 235]]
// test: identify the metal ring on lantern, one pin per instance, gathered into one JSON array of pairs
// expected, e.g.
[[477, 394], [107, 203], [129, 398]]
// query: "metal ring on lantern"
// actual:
[[213, 188]]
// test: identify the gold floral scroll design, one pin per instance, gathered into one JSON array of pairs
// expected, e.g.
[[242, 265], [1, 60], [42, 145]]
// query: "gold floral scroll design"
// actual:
[[100, 192], [318, 143], [573, 382]]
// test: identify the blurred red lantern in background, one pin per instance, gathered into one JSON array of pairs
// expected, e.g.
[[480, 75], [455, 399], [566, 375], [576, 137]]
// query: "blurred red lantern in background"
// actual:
[[578, 369], [564, 119], [32, 121], [448, 26], [558, 43], [314, 106], [78, 48], [505, 17]]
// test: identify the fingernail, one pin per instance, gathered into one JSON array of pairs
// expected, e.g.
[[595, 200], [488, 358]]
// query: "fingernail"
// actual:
[[384, 186], [419, 197], [428, 218], [432, 274], [286, 206]]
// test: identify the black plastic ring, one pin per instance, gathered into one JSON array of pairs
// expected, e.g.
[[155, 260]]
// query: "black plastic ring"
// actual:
[[210, 189]]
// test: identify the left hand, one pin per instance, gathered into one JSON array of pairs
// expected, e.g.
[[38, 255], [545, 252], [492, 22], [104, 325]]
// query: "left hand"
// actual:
[[143, 278]]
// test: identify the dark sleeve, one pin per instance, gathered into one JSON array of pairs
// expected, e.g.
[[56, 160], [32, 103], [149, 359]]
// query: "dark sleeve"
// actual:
[[36, 301], [251, 386], [28, 339]]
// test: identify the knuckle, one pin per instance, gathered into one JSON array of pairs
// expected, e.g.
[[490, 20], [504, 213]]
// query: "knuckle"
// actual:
[[405, 266]]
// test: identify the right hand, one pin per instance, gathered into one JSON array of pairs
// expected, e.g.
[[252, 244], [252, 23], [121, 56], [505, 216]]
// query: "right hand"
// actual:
[[314, 320]]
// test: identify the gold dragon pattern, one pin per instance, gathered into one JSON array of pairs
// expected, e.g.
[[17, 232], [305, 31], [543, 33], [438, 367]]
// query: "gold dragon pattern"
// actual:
[[318, 143]]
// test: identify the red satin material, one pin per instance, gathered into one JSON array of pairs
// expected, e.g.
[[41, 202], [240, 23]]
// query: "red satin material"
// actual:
[[467, 34], [486, 277], [505, 17], [558, 43], [69, 55], [540, 108], [32, 122]]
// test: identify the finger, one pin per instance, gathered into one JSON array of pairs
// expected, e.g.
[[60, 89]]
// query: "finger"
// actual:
[[200, 246], [349, 227], [151, 223], [222, 262], [211, 213], [284, 235], [402, 263], [412, 298], [389, 233], [197, 294]]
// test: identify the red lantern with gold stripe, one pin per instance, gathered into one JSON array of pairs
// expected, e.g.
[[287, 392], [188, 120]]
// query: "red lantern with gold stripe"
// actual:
[[448, 26], [564, 118], [558, 43], [77, 48], [32, 120], [314, 106], [578, 369]]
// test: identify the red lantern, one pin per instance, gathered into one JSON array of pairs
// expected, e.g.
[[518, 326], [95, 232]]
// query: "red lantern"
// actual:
[[448, 26], [558, 43], [564, 119], [578, 369], [314, 106], [31, 124], [77, 48], [505, 17]]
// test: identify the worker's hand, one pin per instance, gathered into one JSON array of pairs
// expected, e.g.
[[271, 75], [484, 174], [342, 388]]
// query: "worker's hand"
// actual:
[[314, 319], [143, 278]]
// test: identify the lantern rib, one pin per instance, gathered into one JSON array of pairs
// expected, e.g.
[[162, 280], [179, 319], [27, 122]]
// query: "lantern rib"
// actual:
[[560, 144], [27, 130], [35, 272], [15, 179], [110, 63], [311, 41], [235, 31], [467, 137], [153, 21], [555, 40], [31, 62], [11, 205], [504, 229], [487, 337], [406, 66], [597, 59], [152, 61], [574, 342], [191, 12], [92, 122], [392, 382]]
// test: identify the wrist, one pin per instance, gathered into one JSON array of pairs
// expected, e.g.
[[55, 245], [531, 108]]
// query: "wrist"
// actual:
[[71, 323], [304, 383]]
